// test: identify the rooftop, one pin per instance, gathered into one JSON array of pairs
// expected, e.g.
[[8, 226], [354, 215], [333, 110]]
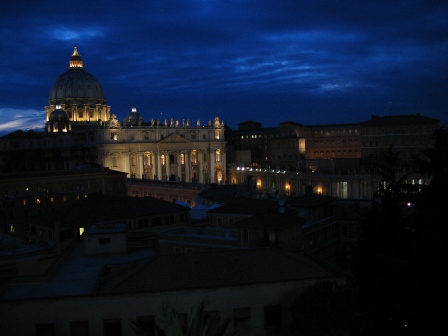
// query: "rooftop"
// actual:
[[414, 119], [77, 275], [102, 208], [214, 269]]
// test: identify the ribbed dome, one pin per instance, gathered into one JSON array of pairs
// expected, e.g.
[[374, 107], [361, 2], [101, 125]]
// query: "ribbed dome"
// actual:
[[76, 86], [58, 115], [133, 119]]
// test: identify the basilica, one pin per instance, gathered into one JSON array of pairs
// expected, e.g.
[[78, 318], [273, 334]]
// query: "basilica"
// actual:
[[336, 159], [172, 150]]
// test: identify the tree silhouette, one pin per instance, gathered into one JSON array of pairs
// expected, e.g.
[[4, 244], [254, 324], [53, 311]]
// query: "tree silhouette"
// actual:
[[325, 308], [401, 271], [384, 253], [428, 290], [198, 324]]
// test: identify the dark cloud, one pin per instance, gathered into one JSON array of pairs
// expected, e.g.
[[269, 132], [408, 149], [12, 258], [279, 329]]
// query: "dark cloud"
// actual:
[[308, 61]]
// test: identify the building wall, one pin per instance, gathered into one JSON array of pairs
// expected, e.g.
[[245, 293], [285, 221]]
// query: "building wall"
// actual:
[[105, 243], [165, 152], [406, 135], [356, 183], [334, 142], [168, 191], [20, 317]]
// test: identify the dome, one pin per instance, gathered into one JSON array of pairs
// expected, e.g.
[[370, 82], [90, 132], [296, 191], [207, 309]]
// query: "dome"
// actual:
[[76, 86], [133, 119], [58, 115]]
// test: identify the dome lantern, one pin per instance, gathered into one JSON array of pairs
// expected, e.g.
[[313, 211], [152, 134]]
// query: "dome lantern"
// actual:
[[75, 60], [79, 94]]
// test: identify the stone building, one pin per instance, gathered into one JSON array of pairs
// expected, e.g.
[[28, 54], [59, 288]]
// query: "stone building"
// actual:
[[164, 151], [81, 131], [338, 160]]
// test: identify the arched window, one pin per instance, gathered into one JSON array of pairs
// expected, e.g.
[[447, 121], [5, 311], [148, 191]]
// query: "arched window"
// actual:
[[162, 159], [114, 162], [218, 155]]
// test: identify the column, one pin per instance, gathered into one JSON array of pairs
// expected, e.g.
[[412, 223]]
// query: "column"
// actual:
[[179, 165], [140, 169], [125, 159], [223, 165], [159, 165], [212, 166], [167, 164], [200, 156], [187, 166]]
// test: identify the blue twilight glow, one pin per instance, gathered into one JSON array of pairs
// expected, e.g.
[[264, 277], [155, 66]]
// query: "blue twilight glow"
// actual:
[[267, 60]]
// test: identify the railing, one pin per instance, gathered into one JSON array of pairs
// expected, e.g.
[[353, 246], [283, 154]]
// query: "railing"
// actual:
[[166, 184]]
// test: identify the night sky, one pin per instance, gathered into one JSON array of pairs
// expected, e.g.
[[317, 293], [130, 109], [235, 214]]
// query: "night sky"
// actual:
[[312, 62]]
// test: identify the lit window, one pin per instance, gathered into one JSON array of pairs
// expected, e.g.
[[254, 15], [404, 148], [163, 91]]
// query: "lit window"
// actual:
[[162, 159], [182, 159], [11, 229], [51, 199], [24, 202], [37, 200]]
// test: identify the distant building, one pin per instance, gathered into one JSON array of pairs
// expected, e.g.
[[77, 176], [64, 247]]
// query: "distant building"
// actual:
[[338, 160], [30, 195], [81, 132], [105, 238]]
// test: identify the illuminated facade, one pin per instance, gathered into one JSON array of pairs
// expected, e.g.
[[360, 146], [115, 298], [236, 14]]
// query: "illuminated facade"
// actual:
[[159, 150], [79, 94], [164, 151], [339, 160]]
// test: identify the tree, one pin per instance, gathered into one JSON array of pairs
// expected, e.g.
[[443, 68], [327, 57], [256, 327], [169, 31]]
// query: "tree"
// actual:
[[384, 254], [402, 271], [325, 308], [428, 290], [198, 324]]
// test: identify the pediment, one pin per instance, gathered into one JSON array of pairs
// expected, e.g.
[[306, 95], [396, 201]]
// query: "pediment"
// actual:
[[174, 138]]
